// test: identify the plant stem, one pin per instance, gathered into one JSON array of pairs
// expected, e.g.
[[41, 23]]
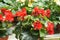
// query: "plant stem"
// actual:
[[40, 38], [20, 30]]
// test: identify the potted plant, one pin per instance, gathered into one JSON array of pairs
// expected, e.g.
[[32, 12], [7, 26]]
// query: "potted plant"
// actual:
[[33, 22], [7, 17], [33, 19], [30, 16], [6, 22]]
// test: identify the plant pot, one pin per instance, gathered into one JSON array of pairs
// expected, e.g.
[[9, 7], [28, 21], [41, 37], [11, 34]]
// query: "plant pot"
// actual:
[[4, 38], [52, 37]]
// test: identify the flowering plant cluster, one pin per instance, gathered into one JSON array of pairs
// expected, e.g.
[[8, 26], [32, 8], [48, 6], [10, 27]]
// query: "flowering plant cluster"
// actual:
[[7, 15], [36, 17], [6, 21], [38, 21], [33, 19]]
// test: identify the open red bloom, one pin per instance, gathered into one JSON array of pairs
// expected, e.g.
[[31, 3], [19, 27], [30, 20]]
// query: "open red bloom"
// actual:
[[37, 25], [42, 12], [6, 12], [48, 13], [24, 10], [1, 17], [9, 18], [3, 10], [8, 15], [50, 28], [51, 32], [18, 13], [21, 13], [35, 11]]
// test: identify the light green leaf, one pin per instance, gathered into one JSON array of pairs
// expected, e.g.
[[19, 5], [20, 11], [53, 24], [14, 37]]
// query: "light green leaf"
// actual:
[[2, 5], [42, 32], [13, 11], [3, 24], [8, 1], [1, 0], [27, 36]]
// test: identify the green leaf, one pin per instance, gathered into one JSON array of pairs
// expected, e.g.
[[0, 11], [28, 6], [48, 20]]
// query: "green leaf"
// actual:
[[34, 32], [9, 25], [18, 30], [26, 3], [1, 0], [42, 32], [13, 11], [4, 24], [8, 1], [27, 36], [3, 5], [13, 0], [3, 33], [18, 5]]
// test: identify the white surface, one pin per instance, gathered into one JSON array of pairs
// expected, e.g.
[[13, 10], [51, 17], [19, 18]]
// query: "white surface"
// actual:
[[52, 36], [12, 37]]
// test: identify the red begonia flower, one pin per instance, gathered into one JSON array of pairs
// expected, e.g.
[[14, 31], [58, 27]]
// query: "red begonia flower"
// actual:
[[50, 28], [48, 13], [37, 25], [6, 12], [21, 13], [1, 17], [9, 18], [35, 11]]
